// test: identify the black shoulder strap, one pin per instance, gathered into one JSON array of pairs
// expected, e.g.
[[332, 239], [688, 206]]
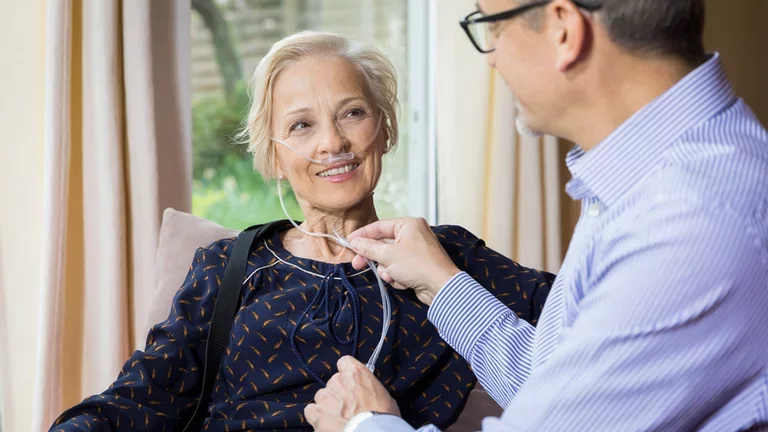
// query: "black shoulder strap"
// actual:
[[224, 313]]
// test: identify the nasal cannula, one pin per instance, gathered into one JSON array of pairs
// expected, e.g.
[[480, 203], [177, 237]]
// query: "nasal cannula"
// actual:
[[330, 160]]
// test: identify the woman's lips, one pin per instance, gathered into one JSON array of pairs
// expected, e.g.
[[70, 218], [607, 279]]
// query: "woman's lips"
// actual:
[[340, 172]]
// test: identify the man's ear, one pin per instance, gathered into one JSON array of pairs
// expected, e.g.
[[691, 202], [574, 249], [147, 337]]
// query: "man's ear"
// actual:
[[570, 32]]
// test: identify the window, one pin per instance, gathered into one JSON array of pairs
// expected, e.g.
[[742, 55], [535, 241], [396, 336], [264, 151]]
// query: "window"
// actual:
[[229, 37]]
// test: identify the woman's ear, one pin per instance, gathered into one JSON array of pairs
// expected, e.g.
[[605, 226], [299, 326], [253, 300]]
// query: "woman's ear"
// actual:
[[276, 165], [385, 130]]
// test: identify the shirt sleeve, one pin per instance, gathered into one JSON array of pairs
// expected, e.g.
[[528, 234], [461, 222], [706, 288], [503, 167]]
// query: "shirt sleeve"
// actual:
[[671, 328], [390, 423], [159, 387], [496, 342]]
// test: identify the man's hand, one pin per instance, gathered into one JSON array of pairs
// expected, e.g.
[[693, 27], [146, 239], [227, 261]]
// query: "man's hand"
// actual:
[[351, 391], [408, 254]]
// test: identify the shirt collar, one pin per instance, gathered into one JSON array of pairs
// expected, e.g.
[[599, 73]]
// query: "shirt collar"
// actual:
[[617, 163]]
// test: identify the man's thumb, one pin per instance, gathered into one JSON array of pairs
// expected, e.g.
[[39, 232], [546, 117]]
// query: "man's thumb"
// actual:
[[371, 249]]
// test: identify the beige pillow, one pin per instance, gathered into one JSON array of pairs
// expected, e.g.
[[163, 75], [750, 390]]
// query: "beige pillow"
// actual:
[[180, 236]]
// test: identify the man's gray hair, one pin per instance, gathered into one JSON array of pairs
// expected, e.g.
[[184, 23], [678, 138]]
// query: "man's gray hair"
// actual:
[[654, 27]]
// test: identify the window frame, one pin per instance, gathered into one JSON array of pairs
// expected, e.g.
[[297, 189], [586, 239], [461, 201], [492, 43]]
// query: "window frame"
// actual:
[[421, 119]]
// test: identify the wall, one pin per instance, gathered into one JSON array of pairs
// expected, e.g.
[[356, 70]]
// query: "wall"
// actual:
[[21, 175], [737, 30], [461, 88]]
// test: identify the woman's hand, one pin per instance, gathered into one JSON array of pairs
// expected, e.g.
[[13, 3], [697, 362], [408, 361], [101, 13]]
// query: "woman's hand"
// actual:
[[351, 391], [408, 253]]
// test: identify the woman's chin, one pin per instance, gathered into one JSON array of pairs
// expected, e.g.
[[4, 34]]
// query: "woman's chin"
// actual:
[[343, 191], [342, 202]]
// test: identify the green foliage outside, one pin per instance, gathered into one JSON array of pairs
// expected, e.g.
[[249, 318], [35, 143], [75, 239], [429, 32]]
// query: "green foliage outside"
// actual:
[[225, 187]]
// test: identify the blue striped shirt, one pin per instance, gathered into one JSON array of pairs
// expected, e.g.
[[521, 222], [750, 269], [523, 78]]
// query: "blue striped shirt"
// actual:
[[658, 319]]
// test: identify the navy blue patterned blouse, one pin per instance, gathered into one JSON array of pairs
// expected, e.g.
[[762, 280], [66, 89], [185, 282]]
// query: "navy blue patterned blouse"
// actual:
[[297, 318]]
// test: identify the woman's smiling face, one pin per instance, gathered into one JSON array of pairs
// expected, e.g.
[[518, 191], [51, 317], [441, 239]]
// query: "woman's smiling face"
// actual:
[[321, 107]]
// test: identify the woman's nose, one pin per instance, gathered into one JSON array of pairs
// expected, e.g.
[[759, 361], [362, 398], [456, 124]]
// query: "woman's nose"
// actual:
[[333, 140]]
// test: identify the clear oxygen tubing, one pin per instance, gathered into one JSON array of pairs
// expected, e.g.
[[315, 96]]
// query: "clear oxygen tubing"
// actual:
[[385, 301], [330, 160]]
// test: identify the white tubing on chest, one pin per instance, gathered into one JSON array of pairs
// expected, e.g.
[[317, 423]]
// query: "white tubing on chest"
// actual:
[[385, 301]]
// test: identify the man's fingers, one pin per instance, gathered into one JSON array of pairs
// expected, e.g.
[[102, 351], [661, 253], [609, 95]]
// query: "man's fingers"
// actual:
[[312, 414], [348, 364], [385, 276], [359, 262], [334, 383], [388, 279], [371, 249], [383, 229], [352, 367], [322, 395]]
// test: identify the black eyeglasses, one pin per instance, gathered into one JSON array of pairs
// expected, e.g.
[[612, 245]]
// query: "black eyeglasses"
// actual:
[[483, 30]]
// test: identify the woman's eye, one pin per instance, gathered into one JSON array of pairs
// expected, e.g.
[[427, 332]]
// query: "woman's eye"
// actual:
[[299, 126], [355, 112]]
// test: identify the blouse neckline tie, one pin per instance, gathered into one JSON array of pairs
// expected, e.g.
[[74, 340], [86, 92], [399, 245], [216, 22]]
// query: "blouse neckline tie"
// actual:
[[325, 314]]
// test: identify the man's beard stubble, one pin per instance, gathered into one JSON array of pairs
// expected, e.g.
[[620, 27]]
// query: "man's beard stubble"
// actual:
[[522, 124]]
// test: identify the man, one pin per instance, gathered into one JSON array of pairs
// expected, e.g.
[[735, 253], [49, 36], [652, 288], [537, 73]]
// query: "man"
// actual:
[[658, 319]]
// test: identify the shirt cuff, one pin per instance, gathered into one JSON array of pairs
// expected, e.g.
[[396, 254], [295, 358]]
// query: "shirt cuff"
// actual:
[[384, 423], [455, 312]]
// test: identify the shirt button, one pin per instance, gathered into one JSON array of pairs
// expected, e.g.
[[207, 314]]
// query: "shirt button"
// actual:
[[594, 210]]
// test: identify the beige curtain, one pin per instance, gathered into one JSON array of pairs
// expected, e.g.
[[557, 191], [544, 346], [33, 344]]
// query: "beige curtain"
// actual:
[[117, 152], [6, 412], [504, 188], [509, 191], [521, 179]]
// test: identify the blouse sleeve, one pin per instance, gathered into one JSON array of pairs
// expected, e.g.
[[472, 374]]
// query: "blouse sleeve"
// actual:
[[158, 388]]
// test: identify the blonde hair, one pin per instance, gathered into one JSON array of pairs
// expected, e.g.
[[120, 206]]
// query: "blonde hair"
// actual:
[[378, 73]]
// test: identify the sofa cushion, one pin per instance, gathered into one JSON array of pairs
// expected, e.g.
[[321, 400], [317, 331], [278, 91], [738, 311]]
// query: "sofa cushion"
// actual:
[[180, 236]]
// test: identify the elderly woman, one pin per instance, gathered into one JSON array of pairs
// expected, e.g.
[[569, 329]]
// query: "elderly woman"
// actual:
[[316, 96]]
